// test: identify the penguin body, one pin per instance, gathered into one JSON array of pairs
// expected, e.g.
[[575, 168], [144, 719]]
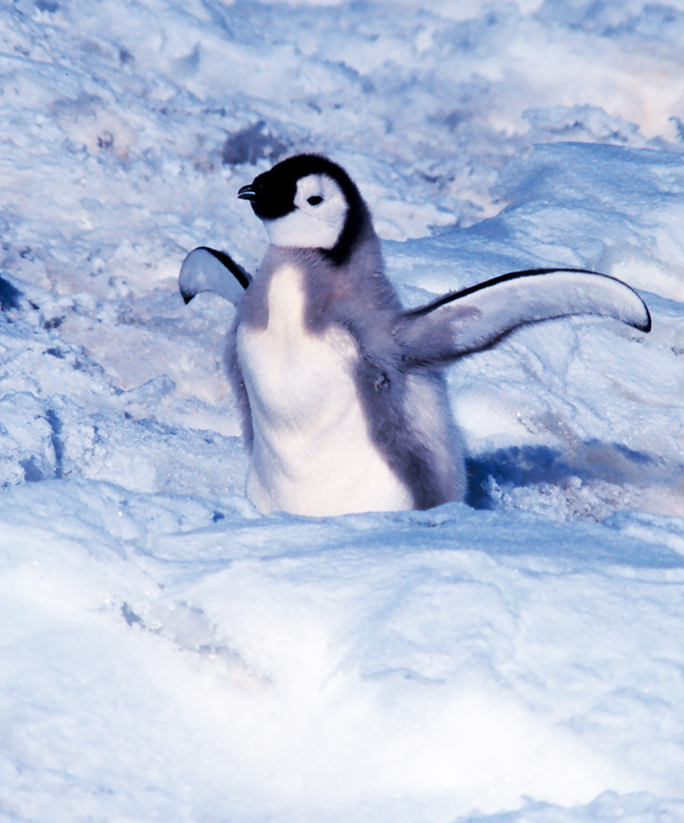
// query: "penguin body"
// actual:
[[307, 415], [343, 398]]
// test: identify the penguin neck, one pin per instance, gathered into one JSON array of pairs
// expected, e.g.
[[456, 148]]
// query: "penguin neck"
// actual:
[[331, 292], [309, 264]]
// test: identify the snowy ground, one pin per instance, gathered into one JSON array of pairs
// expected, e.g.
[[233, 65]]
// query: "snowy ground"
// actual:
[[170, 655]]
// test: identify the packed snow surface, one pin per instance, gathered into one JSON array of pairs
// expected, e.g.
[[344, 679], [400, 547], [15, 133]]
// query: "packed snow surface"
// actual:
[[168, 654]]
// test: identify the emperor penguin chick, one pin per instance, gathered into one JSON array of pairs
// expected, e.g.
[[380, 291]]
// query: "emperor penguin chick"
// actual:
[[342, 393], [337, 423]]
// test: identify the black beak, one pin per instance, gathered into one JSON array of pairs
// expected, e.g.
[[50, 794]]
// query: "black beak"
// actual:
[[247, 193]]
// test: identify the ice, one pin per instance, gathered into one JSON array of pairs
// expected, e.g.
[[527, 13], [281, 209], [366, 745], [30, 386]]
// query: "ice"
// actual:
[[170, 654]]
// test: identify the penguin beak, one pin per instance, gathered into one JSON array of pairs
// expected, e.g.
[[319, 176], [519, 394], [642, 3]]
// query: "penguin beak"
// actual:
[[247, 193]]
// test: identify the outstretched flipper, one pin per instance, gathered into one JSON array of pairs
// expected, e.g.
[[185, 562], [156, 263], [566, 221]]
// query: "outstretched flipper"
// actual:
[[476, 318], [206, 269]]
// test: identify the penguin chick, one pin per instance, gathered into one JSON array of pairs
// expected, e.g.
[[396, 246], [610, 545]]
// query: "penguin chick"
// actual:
[[344, 402], [337, 424]]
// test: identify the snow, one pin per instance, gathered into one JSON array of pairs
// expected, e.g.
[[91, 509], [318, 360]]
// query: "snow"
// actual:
[[168, 654]]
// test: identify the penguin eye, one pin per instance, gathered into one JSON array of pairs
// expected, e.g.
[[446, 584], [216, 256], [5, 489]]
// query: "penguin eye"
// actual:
[[314, 200]]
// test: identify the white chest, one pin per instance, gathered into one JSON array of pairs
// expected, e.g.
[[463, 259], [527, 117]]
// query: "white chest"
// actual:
[[312, 453]]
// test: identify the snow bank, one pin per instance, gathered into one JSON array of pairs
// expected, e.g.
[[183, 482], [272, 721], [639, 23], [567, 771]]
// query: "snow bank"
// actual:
[[170, 657]]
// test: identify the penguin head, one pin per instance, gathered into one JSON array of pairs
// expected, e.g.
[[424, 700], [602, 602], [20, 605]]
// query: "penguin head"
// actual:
[[307, 201]]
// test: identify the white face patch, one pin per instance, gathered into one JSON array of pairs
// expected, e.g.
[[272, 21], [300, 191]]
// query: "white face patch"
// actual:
[[320, 209]]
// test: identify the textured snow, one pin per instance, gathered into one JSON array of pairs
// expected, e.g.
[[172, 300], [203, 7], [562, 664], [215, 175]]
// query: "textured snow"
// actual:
[[168, 654]]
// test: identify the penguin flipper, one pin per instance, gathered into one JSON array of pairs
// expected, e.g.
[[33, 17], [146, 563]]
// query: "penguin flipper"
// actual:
[[206, 269], [476, 318]]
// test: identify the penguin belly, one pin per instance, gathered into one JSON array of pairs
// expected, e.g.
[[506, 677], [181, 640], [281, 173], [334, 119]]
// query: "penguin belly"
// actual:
[[312, 453]]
